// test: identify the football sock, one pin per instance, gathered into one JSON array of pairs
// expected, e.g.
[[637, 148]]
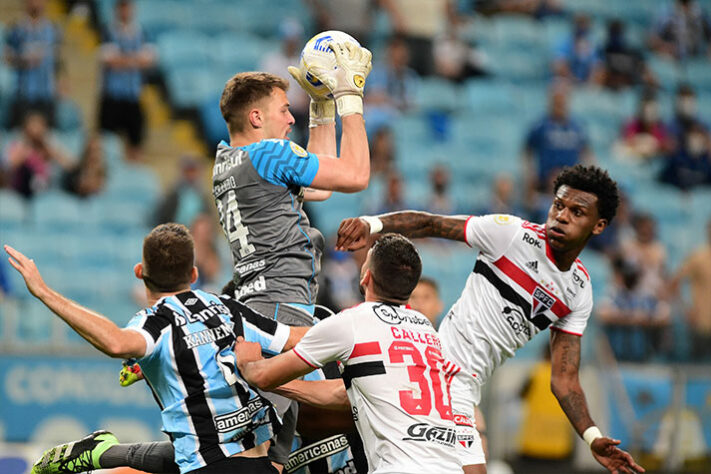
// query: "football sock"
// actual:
[[156, 457]]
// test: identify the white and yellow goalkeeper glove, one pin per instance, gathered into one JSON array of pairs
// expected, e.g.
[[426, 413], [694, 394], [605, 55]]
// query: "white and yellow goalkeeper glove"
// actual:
[[322, 110], [347, 80]]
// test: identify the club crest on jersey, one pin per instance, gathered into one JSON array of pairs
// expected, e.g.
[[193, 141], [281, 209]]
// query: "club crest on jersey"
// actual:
[[502, 219], [298, 150], [542, 301]]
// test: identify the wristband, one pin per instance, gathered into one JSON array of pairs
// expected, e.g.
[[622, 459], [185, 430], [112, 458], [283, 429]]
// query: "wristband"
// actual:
[[321, 112], [376, 225], [591, 434], [349, 104]]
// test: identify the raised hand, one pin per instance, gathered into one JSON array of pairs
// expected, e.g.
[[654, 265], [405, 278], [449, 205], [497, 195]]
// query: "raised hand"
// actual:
[[347, 80], [27, 268], [353, 234]]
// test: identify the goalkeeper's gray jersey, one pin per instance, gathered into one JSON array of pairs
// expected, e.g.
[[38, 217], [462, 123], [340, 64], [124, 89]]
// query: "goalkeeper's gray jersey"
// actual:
[[276, 253]]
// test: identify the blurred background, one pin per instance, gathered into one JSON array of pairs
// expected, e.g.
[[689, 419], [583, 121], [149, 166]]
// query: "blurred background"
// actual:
[[471, 108]]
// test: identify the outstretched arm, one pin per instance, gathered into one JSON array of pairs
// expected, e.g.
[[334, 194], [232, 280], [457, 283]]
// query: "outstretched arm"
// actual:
[[565, 384], [101, 332], [267, 374], [353, 232], [329, 394]]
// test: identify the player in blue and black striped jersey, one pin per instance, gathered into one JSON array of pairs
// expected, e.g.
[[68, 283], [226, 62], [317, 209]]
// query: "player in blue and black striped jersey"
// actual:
[[184, 344], [261, 178]]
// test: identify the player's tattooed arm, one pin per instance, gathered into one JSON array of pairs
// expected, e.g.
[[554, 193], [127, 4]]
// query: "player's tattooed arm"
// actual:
[[565, 384], [353, 232], [311, 194]]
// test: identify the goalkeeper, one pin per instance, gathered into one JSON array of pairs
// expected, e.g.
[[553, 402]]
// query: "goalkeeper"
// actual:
[[261, 179]]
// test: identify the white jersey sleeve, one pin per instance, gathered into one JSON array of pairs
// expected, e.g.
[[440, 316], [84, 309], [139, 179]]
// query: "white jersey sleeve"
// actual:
[[576, 321], [492, 234], [329, 340]]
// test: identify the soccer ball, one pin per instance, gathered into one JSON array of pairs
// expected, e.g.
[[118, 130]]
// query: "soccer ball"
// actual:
[[316, 53]]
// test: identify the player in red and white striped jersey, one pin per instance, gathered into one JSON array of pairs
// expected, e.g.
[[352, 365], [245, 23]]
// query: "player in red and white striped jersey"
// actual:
[[527, 277], [396, 381]]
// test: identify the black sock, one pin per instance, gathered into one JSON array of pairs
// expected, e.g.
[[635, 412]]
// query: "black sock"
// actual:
[[156, 457]]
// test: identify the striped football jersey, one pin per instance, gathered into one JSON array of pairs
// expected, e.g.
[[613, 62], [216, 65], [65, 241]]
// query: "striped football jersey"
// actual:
[[397, 383], [207, 409], [514, 292]]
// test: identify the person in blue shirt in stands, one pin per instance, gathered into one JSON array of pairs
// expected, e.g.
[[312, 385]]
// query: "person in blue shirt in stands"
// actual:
[[32, 49], [125, 55], [555, 141]]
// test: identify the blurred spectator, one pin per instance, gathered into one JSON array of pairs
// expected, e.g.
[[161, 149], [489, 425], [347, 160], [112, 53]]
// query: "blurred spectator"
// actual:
[[622, 65], [125, 55], [382, 152], [645, 135], [688, 163], [503, 196], [557, 140], [207, 259], [418, 22], [425, 299], [634, 318], [647, 253], [291, 35], [455, 59], [186, 199], [577, 58], [538, 9], [440, 200], [87, 177], [393, 200], [546, 438], [392, 83], [5, 288], [32, 49], [682, 30], [29, 159], [696, 269], [339, 280], [355, 17]]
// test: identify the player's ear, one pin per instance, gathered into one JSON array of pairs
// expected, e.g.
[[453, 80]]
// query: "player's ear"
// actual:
[[138, 270], [194, 275], [600, 225], [255, 118], [366, 279]]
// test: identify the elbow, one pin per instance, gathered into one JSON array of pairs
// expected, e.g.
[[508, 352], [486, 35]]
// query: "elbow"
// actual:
[[357, 183], [115, 350], [259, 379]]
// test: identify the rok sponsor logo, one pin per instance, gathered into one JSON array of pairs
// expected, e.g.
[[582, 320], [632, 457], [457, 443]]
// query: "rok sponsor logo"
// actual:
[[429, 433], [529, 239], [238, 419], [256, 286]]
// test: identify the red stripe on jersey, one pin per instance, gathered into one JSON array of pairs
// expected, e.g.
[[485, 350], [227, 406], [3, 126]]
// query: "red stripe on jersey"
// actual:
[[567, 332], [365, 349], [582, 268], [304, 359], [466, 223], [525, 281]]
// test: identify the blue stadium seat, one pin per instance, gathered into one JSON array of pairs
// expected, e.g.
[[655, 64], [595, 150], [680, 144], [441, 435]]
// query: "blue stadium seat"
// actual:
[[189, 86], [437, 94], [490, 97], [133, 184], [517, 31], [13, 210], [668, 72], [58, 211], [36, 323], [67, 116], [213, 125], [183, 49], [122, 217]]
